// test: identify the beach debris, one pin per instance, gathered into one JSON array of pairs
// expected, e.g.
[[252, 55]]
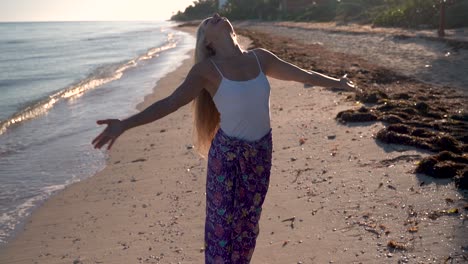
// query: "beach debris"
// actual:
[[77, 261], [162, 130], [286, 242], [189, 146], [334, 151], [397, 245], [314, 212], [360, 115], [371, 96], [302, 141], [385, 229], [133, 179], [416, 122], [436, 214], [446, 165], [391, 119], [124, 245], [299, 172], [331, 137], [405, 158], [413, 229], [461, 181], [139, 160], [370, 227], [423, 138], [292, 219]]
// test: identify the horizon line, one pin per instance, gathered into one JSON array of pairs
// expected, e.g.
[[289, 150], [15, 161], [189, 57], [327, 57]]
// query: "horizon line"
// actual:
[[51, 21]]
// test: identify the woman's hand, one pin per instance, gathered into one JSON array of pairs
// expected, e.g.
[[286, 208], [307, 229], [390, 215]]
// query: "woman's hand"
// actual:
[[347, 84], [113, 130]]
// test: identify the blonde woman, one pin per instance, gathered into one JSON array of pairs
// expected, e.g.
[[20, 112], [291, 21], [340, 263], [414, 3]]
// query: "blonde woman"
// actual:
[[230, 94]]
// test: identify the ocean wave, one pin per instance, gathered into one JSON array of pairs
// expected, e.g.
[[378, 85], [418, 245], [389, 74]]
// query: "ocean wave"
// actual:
[[13, 82], [11, 218], [11, 148], [12, 42], [121, 35], [100, 76], [102, 38]]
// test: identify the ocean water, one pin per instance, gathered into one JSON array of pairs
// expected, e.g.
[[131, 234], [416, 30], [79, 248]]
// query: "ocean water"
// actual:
[[56, 80]]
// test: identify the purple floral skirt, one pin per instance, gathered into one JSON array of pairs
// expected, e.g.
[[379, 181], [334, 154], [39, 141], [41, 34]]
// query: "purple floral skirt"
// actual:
[[237, 182]]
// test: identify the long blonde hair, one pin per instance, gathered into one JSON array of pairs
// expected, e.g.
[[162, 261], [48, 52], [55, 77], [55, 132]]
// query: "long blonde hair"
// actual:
[[205, 114]]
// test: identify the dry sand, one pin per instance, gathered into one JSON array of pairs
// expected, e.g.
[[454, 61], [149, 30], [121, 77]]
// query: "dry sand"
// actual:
[[415, 53], [346, 197]]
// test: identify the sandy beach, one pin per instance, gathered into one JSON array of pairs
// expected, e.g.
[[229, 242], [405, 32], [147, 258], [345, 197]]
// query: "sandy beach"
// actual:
[[336, 194]]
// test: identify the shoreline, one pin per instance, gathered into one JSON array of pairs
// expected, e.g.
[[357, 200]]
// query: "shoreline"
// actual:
[[344, 195], [56, 204], [31, 211], [167, 79], [47, 153]]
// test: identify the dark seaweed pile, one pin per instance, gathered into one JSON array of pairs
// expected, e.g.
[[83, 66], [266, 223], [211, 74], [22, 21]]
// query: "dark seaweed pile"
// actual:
[[416, 114]]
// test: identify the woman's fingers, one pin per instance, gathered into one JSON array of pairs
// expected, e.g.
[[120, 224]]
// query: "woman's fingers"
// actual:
[[109, 135], [111, 143], [102, 142], [96, 139], [103, 121], [347, 81]]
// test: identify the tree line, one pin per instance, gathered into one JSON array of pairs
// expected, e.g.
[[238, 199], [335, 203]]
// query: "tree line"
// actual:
[[391, 13]]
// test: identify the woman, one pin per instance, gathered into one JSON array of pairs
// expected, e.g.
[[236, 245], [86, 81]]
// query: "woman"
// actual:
[[231, 113]]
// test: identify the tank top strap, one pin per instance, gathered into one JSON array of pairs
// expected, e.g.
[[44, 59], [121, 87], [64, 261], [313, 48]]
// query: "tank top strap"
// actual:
[[217, 68], [258, 62]]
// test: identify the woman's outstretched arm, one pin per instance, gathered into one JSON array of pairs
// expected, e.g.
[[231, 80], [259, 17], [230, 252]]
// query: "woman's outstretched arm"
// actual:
[[280, 69], [185, 93]]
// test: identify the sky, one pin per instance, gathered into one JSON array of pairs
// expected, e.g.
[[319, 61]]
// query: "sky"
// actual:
[[89, 10]]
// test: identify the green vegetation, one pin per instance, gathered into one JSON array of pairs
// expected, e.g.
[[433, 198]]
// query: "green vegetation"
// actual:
[[457, 14], [387, 13], [410, 14], [199, 10]]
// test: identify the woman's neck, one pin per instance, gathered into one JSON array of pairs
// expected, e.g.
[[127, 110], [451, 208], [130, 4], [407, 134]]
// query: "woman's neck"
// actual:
[[227, 47]]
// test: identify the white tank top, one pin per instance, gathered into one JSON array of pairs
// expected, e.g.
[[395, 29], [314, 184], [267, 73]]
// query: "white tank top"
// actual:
[[244, 106]]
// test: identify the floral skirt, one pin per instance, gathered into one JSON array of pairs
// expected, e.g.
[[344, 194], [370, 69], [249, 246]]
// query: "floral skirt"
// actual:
[[237, 182]]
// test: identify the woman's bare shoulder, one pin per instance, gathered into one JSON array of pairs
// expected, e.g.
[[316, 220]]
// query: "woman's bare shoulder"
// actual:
[[202, 68], [265, 57], [262, 52], [205, 72]]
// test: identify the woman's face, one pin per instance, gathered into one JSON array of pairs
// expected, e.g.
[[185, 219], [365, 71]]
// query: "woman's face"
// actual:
[[215, 26]]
